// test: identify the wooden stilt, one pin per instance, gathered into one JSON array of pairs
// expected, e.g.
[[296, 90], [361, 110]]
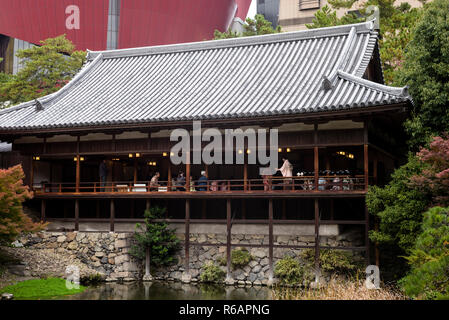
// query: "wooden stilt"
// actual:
[[270, 238], [43, 208], [317, 236], [187, 236], [316, 159], [77, 215], [228, 238], [112, 216], [367, 243]]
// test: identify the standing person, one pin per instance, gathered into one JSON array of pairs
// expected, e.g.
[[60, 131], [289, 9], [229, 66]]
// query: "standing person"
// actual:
[[286, 170], [103, 172]]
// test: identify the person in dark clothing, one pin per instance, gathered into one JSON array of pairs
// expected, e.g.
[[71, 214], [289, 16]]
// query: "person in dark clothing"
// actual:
[[103, 172], [181, 182], [202, 181]]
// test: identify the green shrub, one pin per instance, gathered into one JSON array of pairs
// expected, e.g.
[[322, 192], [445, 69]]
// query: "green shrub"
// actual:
[[211, 273], [240, 258], [291, 272], [91, 279], [161, 240], [429, 259], [334, 261]]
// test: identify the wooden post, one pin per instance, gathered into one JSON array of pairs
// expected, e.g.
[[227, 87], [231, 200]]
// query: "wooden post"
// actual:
[[135, 171], [245, 176], [188, 171], [147, 262], [43, 207], [228, 238], [317, 236], [148, 205], [98, 209], [169, 176], [32, 173], [316, 159], [365, 155], [270, 239], [375, 163], [78, 168], [112, 217], [203, 209], [367, 244], [77, 215], [187, 237], [284, 209]]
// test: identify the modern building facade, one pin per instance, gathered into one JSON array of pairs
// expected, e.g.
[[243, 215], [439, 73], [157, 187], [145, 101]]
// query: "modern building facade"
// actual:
[[111, 24], [295, 14], [270, 10], [337, 123]]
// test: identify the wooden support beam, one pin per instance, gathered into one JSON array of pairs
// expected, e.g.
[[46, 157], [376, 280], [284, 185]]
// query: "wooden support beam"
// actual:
[[245, 176], [78, 166], [228, 238], [187, 237], [43, 208], [317, 235], [135, 171], [270, 238], [77, 215], [367, 243], [112, 216], [32, 173], [188, 172], [365, 155], [169, 177], [148, 204], [316, 156]]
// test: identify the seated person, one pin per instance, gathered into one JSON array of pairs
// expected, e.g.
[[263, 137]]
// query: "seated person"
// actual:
[[214, 186], [180, 182], [154, 182], [223, 186], [202, 181]]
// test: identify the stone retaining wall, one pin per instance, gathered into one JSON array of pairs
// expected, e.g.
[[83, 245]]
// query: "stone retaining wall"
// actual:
[[108, 253]]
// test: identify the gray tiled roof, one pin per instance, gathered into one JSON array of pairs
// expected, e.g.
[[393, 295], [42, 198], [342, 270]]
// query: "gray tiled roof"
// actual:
[[294, 72]]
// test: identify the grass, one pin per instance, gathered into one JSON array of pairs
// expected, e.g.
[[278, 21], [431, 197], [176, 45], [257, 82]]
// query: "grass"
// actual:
[[339, 290], [40, 288]]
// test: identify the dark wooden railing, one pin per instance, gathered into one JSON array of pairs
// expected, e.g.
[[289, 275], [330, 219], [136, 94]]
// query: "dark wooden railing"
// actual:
[[268, 184]]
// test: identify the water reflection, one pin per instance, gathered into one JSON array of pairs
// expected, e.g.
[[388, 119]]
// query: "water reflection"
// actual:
[[171, 291]]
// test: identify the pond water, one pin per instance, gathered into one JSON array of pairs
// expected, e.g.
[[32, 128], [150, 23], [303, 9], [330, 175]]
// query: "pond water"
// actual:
[[159, 290]]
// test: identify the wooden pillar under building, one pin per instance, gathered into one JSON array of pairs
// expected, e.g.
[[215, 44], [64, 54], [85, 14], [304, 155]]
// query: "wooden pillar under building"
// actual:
[[78, 166], [317, 236], [228, 238], [112, 216], [245, 176], [365, 155], [77, 215], [316, 159], [135, 170], [148, 205], [169, 177], [270, 239], [32, 173], [367, 244], [43, 208], [187, 237], [188, 172]]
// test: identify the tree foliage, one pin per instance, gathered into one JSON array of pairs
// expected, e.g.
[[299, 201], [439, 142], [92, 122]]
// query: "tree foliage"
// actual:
[[399, 207], [157, 236], [426, 71], [13, 221], [47, 69], [434, 179], [429, 258], [396, 23], [252, 27]]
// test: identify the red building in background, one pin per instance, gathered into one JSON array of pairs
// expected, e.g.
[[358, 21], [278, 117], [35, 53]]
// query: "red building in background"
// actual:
[[112, 24]]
